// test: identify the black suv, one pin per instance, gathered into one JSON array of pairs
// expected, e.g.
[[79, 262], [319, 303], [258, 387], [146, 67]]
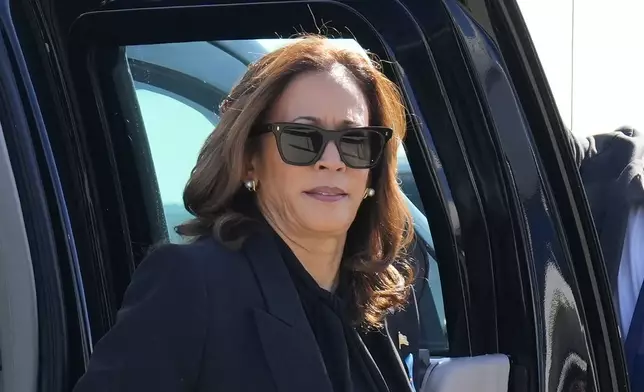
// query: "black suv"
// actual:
[[104, 104]]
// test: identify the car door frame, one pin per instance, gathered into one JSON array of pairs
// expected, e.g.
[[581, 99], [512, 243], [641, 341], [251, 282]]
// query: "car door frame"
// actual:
[[504, 27]]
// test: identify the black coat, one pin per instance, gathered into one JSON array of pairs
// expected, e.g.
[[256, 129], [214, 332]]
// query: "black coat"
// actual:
[[201, 317], [612, 169], [611, 166]]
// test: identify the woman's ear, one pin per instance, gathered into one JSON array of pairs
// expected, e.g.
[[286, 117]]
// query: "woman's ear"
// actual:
[[250, 163], [250, 175], [249, 171]]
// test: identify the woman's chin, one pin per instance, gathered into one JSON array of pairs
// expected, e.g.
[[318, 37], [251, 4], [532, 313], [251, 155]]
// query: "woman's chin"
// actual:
[[327, 223]]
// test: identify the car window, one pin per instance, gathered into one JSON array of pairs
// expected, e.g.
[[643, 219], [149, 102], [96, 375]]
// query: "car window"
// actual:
[[177, 123], [175, 131]]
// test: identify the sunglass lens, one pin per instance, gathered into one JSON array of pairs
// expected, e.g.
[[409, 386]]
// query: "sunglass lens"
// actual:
[[361, 148], [300, 145]]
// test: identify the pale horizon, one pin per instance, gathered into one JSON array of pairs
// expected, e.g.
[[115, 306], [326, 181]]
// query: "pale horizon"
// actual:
[[605, 60]]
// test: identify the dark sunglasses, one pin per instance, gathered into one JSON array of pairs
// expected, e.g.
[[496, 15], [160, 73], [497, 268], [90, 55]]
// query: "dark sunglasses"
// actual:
[[303, 144]]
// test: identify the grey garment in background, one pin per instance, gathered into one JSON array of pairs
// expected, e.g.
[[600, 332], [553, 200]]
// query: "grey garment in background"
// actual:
[[611, 166]]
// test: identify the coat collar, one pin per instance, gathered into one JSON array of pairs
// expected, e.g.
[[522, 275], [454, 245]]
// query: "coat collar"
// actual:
[[287, 339], [277, 287]]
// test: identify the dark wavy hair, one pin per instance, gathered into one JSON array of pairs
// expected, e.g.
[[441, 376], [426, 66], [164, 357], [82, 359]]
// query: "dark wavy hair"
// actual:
[[377, 240]]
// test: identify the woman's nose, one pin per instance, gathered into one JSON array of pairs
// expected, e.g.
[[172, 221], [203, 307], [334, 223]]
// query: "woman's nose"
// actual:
[[330, 159]]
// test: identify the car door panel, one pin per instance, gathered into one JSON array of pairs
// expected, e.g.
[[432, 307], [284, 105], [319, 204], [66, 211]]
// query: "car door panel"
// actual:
[[18, 302], [46, 265], [485, 373]]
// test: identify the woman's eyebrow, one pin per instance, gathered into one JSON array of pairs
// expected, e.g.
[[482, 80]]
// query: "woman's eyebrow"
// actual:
[[317, 121], [308, 118]]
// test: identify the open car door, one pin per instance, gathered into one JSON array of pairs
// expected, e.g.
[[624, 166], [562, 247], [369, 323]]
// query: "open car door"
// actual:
[[521, 113], [513, 293]]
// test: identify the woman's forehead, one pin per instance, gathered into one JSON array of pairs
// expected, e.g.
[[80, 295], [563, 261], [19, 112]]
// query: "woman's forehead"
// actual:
[[333, 97]]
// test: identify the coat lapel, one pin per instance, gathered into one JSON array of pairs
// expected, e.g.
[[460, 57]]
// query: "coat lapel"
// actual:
[[287, 339], [384, 353]]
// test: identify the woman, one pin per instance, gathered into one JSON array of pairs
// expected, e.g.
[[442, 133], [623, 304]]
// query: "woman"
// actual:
[[299, 233]]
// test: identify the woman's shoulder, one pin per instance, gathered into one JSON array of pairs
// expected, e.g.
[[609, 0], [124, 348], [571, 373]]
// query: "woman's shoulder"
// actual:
[[204, 270], [203, 256], [206, 246]]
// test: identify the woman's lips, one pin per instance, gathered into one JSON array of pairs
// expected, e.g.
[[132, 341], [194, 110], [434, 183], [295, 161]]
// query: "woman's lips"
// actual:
[[326, 194], [325, 198]]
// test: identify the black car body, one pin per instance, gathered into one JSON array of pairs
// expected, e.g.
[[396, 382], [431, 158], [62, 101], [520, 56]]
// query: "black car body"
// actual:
[[508, 232]]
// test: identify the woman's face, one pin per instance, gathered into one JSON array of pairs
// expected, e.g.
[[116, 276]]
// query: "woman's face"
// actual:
[[298, 196]]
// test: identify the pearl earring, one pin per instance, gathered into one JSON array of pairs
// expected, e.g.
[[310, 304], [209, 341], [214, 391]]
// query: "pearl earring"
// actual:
[[369, 192], [251, 185]]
